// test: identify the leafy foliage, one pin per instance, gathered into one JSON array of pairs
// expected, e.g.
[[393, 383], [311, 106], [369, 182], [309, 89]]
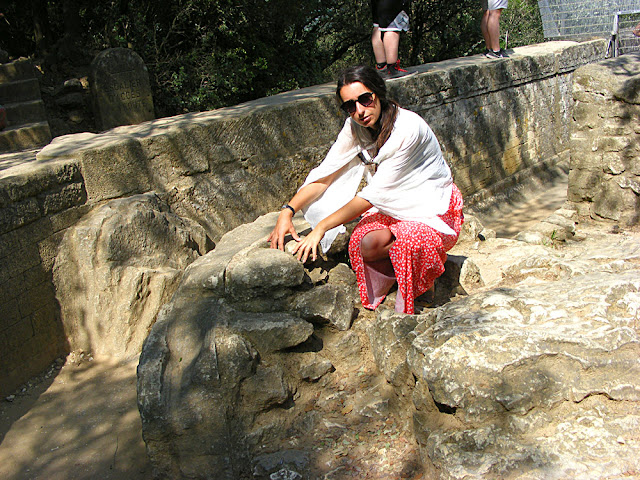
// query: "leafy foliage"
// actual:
[[521, 23], [205, 54]]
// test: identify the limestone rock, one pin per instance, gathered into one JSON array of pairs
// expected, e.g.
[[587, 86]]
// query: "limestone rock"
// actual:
[[344, 350], [116, 268], [315, 367], [266, 389], [486, 233], [604, 140], [189, 375], [342, 274], [534, 238], [261, 270], [209, 271], [461, 276], [470, 229], [270, 332], [390, 338], [229, 351], [591, 442], [326, 304], [503, 356]]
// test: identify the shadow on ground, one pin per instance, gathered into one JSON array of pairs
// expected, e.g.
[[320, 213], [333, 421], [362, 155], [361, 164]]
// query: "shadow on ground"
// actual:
[[85, 425]]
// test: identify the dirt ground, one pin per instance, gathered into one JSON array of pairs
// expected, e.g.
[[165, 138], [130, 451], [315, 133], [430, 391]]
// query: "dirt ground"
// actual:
[[79, 420]]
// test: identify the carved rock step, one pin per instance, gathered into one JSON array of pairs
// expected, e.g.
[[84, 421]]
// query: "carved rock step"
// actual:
[[19, 113], [27, 125], [23, 137], [19, 91], [17, 70]]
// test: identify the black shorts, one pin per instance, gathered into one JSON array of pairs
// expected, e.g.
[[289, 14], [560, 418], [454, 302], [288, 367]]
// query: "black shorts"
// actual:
[[385, 11]]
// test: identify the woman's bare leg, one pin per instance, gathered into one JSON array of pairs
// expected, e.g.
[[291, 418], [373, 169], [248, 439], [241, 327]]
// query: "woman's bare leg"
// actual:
[[375, 245]]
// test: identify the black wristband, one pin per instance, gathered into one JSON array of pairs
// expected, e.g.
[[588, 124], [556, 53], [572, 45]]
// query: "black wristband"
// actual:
[[289, 207]]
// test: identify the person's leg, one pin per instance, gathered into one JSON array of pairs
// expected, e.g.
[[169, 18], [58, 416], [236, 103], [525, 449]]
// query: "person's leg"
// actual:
[[378, 46], [391, 42], [375, 245], [485, 30], [493, 29], [375, 278]]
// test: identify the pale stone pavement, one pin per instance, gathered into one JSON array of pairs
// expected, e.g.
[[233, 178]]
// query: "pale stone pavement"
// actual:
[[83, 422], [531, 207]]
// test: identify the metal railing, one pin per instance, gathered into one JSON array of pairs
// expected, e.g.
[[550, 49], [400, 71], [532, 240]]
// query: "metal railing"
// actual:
[[581, 19], [625, 34]]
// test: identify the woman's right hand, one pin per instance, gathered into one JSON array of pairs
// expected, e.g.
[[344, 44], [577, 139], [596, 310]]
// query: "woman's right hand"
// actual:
[[284, 226]]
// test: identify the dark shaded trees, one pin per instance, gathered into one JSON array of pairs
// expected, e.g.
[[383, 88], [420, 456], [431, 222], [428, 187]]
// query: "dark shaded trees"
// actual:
[[204, 54]]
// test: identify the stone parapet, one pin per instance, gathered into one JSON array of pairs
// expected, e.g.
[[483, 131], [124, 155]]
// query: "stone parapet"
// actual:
[[605, 140], [497, 121]]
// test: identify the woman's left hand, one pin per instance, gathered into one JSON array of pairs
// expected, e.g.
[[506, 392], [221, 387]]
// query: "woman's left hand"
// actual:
[[309, 245]]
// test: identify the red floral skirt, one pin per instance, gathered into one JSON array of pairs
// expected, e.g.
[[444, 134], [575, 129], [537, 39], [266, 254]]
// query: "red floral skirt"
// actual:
[[417, 255]]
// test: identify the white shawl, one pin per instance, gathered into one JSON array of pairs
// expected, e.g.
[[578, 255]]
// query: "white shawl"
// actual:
[[412, 181]]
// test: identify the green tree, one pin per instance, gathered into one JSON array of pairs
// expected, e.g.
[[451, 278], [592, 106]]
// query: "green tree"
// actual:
[[205, 54]]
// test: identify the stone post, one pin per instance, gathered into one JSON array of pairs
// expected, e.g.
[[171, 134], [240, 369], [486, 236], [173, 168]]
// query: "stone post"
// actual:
[[120, 89]]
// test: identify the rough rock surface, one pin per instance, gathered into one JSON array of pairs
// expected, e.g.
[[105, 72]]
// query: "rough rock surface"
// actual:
[[534, 375], [117, 267], [525, 366], [229, 355], [605, 140]]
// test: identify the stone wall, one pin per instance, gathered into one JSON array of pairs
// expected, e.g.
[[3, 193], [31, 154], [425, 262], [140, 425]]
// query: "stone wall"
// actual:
[[605, 141], [499, 122]]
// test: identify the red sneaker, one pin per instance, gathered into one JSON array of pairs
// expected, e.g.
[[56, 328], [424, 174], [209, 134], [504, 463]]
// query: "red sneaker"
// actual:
[[382, 70], [394, 70]]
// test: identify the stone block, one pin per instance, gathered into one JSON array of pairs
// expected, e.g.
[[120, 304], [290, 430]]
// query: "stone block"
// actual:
[[103, 165], [120, 88], [66, 218], [20, 261], [68, 196], [326, 304], [390, 337], [270, 332], [613, 163], [46, 325], [10, 313], [33, 299], [613, 144], [261, 270], [19, 214], [136, 249], [586, 115], [182, 151], [615, 203], [583, 184], [18, 334], [34, 277], [48, 250]]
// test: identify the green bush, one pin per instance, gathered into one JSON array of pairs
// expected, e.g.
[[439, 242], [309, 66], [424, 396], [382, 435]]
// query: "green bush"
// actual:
[[206, 54]]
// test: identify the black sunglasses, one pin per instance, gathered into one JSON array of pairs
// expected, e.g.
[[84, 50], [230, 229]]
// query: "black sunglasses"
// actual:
[[366, 99]]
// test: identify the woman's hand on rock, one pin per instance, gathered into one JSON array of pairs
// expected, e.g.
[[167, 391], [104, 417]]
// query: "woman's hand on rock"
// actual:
[[284, 226], [309, 245]]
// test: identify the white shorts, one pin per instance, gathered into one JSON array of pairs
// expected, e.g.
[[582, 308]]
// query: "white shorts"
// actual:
[[494, 4], [399, 24]]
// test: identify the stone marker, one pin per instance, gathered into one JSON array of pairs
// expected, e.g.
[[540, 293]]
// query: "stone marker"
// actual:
[[120, 89]]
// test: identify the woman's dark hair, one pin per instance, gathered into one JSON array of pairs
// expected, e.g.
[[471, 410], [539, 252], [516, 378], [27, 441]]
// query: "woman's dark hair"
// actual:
[[372, 80]]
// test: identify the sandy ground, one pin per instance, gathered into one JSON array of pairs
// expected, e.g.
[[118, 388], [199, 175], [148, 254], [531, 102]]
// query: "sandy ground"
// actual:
[[80, 420], [82, 423]]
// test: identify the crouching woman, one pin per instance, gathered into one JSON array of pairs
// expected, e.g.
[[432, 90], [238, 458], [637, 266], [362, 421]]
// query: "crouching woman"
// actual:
[[411, 209]]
